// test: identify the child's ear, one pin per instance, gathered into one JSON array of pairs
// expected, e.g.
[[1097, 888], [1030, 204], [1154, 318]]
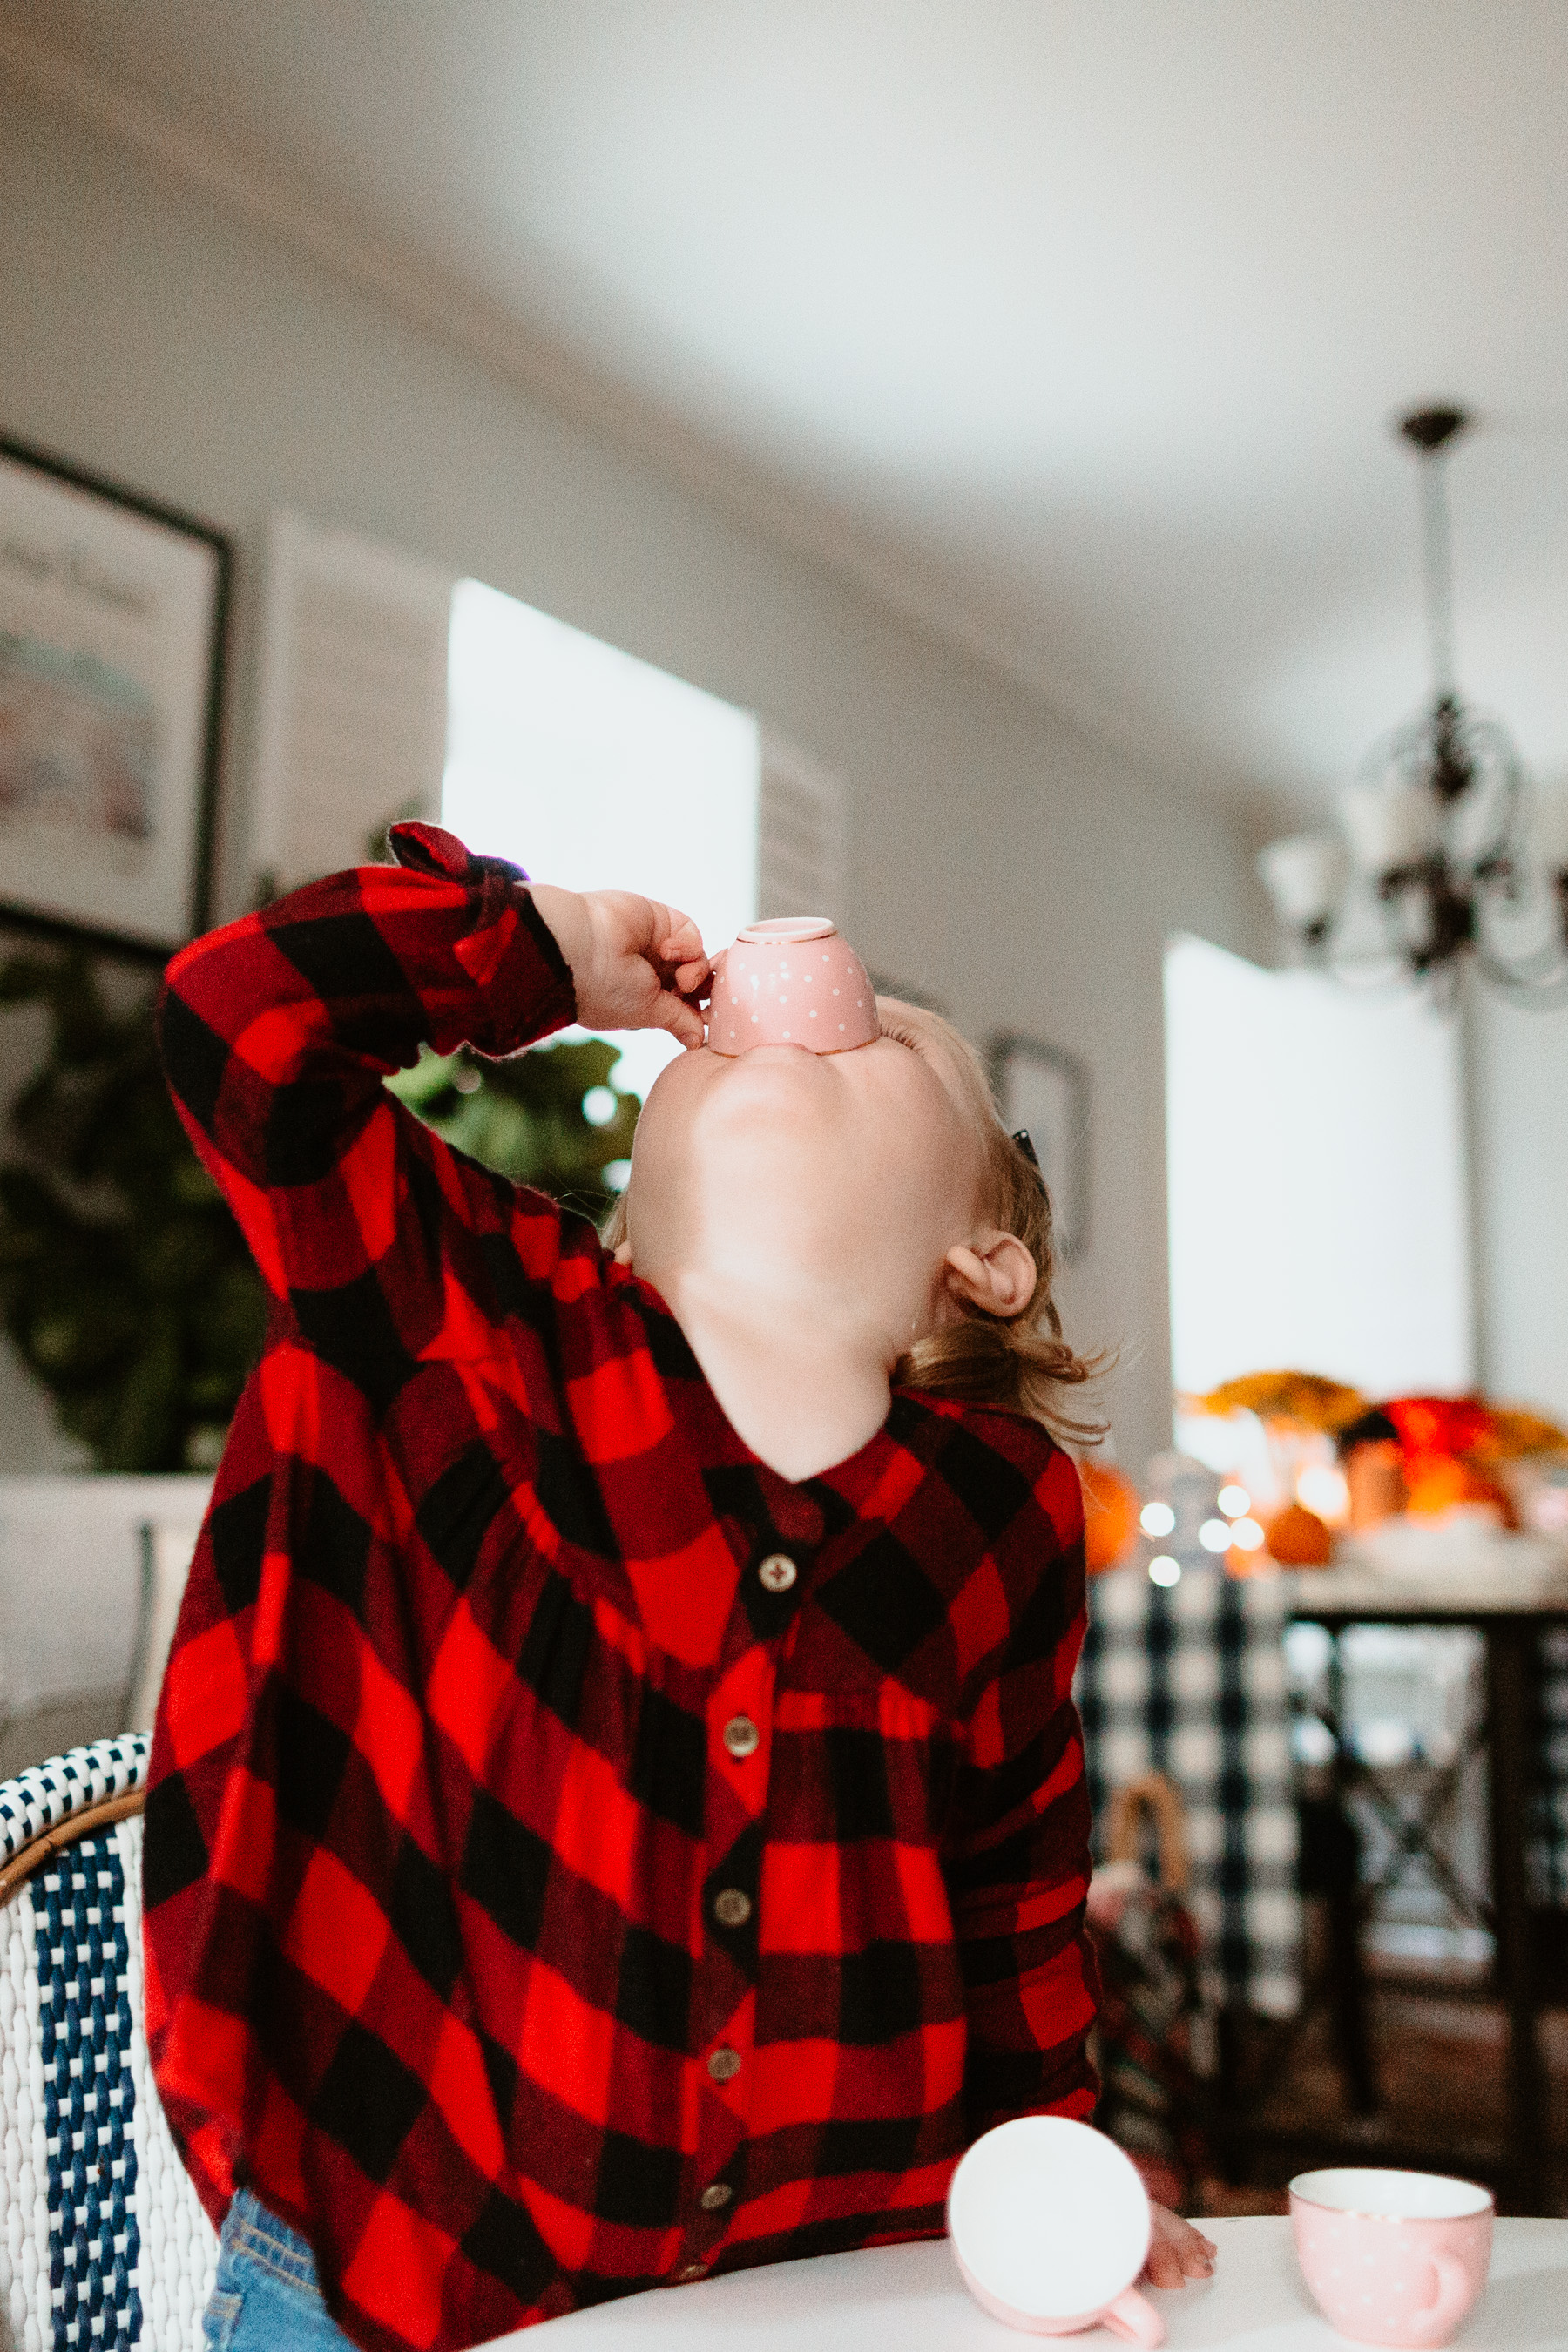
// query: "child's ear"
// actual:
[[997, 1273]]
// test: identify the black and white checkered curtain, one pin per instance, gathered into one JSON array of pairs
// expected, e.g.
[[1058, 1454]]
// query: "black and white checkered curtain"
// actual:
[[1190, 1681]]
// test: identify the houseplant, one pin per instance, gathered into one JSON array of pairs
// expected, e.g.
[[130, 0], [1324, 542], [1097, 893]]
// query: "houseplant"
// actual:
[[124, 1283]]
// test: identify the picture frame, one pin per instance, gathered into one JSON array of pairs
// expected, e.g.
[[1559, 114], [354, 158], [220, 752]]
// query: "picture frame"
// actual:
[[1045, 1090], [113, 617]]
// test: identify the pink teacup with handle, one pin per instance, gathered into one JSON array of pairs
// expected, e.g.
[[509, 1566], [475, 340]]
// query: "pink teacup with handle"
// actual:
[[1050, 2225], [1392, 2257], [793, 981]]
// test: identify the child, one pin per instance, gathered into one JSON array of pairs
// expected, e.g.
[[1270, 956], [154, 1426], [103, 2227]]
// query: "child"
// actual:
[[617, 1808]]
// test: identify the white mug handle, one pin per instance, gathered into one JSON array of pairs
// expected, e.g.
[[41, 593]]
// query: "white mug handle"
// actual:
[[1132, 2318], [1454, 2294]]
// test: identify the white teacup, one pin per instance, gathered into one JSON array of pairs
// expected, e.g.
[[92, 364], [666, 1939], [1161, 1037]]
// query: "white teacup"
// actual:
[[1050, 2225]]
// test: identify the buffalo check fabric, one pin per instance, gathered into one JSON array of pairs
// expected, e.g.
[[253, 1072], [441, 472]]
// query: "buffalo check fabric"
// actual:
[[577, 1858], [1189, 1680], [1549, 1846]]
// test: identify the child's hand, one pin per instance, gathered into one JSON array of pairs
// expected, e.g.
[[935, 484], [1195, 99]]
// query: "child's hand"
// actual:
[[634, 962], [1177, 2251]]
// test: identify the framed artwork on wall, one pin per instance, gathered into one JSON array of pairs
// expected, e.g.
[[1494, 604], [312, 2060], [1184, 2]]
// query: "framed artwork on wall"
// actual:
[[1045, 1090], [113, 613]]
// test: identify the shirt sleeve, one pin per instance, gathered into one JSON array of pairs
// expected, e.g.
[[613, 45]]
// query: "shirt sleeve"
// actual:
[[277, 1030], [1017, 1853]]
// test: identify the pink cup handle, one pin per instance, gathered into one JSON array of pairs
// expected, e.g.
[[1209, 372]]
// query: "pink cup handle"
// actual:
[[1133, 2319], [1454, 2295]]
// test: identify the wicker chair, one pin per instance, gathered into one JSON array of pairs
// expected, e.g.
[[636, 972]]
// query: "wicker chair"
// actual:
[[103, 2242]]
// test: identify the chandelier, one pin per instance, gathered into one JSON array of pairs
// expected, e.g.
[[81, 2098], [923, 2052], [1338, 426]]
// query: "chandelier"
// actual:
[[1430, 867]]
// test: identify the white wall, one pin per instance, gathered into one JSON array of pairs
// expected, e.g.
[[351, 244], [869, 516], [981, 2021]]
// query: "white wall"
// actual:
[[1519, 1076], [1320, 1216], [997, 855]]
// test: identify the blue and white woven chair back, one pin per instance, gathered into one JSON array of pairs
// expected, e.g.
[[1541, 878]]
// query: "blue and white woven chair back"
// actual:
[[103, 2242]]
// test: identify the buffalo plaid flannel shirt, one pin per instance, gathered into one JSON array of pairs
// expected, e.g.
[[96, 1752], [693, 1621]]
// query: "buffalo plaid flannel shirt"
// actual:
[[577, 1858]]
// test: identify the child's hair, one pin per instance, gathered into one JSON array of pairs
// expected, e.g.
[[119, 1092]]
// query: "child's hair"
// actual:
[[1019, 1362]]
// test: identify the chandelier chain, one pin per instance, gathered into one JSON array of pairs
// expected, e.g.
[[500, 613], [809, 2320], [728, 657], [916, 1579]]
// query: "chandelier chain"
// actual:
[[1437, 562]]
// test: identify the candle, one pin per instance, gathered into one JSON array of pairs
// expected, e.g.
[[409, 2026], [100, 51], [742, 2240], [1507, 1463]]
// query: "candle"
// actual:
[[1303, 875], [1389, 825]]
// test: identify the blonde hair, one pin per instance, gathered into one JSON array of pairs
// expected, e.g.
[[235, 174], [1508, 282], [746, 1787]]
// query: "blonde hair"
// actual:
[[1019, 1362]]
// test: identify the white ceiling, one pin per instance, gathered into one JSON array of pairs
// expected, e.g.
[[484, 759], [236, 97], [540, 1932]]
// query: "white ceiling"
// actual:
[[1077, 322]]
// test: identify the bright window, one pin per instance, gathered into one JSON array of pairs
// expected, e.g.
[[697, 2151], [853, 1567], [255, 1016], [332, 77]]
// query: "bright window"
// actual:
[[1315, 1143], [595, 770]]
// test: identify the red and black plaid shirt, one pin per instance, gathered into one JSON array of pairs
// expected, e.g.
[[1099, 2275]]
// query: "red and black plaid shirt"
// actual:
[[577, 1856]]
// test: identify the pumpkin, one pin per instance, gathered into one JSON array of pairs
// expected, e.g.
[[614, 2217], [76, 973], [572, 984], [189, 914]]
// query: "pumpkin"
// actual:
[[1110, 1508], [1298, 1538]]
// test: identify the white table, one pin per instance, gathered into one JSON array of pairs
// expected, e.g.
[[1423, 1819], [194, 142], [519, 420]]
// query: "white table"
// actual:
[[910, 2299]]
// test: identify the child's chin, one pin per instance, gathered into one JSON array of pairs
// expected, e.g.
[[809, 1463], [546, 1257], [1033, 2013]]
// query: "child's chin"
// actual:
[[773, 1100], [767, 1072]]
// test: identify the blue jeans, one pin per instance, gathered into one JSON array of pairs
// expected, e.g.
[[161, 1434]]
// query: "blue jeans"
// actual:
[[266, 2298]]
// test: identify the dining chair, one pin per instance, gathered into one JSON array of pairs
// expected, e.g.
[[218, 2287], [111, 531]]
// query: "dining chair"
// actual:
[[167, 1547], [103, 2242]]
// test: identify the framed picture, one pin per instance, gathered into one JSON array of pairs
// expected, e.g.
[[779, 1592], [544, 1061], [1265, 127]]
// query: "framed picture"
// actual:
[[1047, 1091], [113, 613]]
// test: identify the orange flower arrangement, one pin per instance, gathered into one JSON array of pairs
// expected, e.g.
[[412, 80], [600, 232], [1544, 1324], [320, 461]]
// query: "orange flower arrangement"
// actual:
[[1452, 1447], [1441, 1451], [1305, 1399]]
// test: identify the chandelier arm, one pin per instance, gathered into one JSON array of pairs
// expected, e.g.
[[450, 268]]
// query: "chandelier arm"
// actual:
[[1364, 975], [1543, 971], [1494, 866], [1549, 990], [1359, 977], [1446, 918]]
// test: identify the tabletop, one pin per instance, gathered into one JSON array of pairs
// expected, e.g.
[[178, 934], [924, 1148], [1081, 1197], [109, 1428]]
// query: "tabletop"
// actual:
[[1534, 1585], [912, 2297]]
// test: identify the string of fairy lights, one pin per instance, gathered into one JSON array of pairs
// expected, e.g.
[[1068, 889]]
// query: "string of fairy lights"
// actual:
[[1232, 1532]]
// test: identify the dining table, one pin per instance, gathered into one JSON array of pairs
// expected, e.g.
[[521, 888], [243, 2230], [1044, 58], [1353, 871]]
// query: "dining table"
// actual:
[[1511, 1604], [910, 2298]]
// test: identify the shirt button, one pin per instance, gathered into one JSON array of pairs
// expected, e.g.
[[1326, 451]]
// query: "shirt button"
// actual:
[[717, 2193], [692, 2271], [777, 1572], [742, 1736], [731, 1907], [724, 2064]]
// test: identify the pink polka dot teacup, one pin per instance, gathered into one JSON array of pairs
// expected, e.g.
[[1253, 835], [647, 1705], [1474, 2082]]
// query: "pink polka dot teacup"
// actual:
[[1050, 2225], [791, 983], [1392, 2257]]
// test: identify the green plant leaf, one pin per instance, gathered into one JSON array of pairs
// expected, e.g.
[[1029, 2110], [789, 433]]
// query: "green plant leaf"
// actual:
[[125, 1282], [123, 1279], [146, 1432], [523, 1117]]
